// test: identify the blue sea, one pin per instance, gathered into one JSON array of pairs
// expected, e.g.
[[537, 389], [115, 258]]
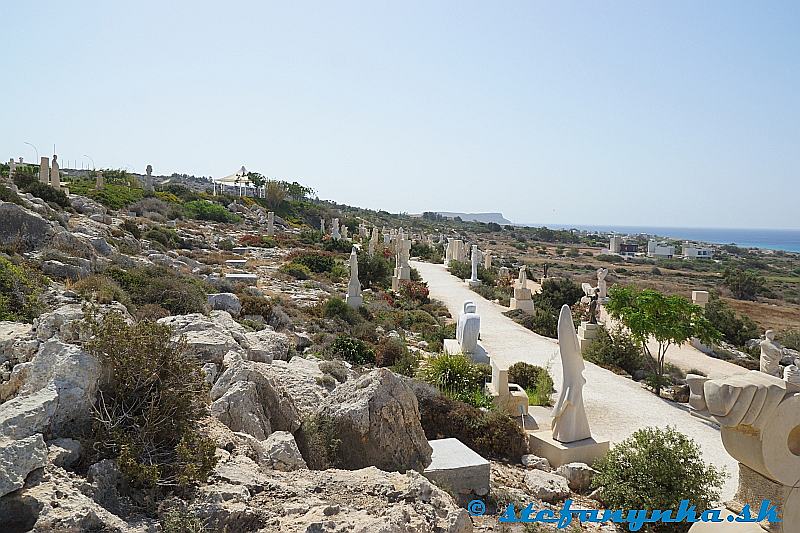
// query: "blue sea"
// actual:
[[772, 239]]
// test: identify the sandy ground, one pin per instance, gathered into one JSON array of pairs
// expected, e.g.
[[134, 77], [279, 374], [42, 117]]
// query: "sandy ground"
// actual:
[[616, 406]]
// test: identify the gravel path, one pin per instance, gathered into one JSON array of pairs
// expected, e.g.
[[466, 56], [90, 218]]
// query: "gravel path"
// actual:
[[616, 406]]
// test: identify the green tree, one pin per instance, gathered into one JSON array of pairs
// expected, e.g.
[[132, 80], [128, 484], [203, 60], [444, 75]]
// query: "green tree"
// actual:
[[744, 284], [649, 314], [737, 330]]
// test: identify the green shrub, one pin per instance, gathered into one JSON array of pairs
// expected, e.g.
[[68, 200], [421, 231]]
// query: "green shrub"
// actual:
[[181, 521], [101, 289], [615, 350], [149, 406], [389, 351], [557, 292], [165, 236], [335, 369], [416, 291], [743, 284], [407, 364], [463, 270], [432, 253], [20, 287], [790, 339], [536, 381], [318, 262], [132, 227], [543, 320], [352, 350], [7, 195], [656, 468], [455, 375], [296, 270], [206, 210], [736, 330], [491, 434], [374, 270], [178, 293], [113, 195], [338, 308], [318, 443], [47, 193], [340, 246]]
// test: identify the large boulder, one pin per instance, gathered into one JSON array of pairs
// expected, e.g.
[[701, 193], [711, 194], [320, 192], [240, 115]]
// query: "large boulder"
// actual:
[[376, 418], [23, 416], [18, 458], [225, 301], [578, 475], [267, 345], [21, 226], [546, 486], [208, 340], [240, 409], [281, 452]]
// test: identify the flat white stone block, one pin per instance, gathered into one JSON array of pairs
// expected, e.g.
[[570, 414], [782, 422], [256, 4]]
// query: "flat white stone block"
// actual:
[[452, 347], [236, 263], [250, 279], [473, 283], [524, 305], [459, 469], [587, 451]]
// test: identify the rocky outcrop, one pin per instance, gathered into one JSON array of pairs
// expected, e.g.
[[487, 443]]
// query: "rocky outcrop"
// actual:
[[18, 458], [362, 501], [578, 475], [21, 226], [376, 418], [240, 409], [546, 486]]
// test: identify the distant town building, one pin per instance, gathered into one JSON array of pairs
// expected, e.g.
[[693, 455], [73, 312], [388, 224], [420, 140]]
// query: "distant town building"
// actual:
[[660, 250], [614, 244], [627, 249], [694, 251]]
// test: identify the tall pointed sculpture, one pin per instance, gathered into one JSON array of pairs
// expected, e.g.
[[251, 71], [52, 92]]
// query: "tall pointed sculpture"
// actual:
[[335, 235], [475, 258], [373, 242], [354, 298], [569, 415]]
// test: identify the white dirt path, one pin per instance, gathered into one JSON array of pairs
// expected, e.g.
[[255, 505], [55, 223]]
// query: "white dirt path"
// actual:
[[616, 406]]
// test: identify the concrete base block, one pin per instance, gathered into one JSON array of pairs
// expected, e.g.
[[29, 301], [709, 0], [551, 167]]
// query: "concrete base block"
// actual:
[[471, 283], [458, 469], [354, 301], [452, 347], [525, 305], [587, 451]]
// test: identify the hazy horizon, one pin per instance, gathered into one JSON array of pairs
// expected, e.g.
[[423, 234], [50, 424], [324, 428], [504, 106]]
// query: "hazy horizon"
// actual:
[[660, 115]]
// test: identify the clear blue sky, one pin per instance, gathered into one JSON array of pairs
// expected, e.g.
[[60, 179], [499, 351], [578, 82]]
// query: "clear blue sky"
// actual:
[[678, 113]]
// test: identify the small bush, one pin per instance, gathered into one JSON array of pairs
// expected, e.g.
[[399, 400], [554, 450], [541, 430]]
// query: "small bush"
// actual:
[[148, 409], [20, 287], [407, 364], [736, 330], [295, 270], [27, 182], [454, 375], [415, 291], [132, 227], [335, 369], [340, 246], [205, 210], [352, 350], [167, 237], [615, 350], [656, 468], [338, 308], [791, 339], [536, 381], [7, 195], [373, 270], [543, 320], [389, 351], [257, 241], [318, 443], [158, 285], [318, 262], [101, 289]]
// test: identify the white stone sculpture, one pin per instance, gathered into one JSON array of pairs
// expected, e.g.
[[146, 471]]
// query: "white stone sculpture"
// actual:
[[322, 225], [354, 298], [504, 273], [270, 223], [601, 283], [474, 259], [335, 235], [448, 252], [402, 270], [344, 232], [468, 328], [373, 241], [44, 171], [100, 181], [569, 415], [487, 260], [770, 355], [55, 175], [148, 182], [12, 168], [522, 294], [791, 374]]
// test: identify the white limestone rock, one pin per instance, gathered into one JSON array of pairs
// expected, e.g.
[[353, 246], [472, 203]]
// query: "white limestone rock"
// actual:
[[18, 458], [23, 416], [282, 452], [535, 462], [578, 475], [208, 340], [546, 486], [225, 301], [240, 409], [267, 345], [63, 452], [377, 419]]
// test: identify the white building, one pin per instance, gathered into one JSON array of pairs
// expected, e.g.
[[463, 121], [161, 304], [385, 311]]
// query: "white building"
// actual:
[[660, 249], [694, 251]]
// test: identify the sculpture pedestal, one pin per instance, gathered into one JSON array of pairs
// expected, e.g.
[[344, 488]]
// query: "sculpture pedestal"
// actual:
[[479, 355], [587, 333], [473, 283], [587, 451], [354, 301], [524, 305]]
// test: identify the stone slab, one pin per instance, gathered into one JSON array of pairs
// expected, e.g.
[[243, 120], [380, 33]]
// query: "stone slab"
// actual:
[[452, 347], [458, 469], [475, 283], [250, 279], [524, 305], [587, 451]]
